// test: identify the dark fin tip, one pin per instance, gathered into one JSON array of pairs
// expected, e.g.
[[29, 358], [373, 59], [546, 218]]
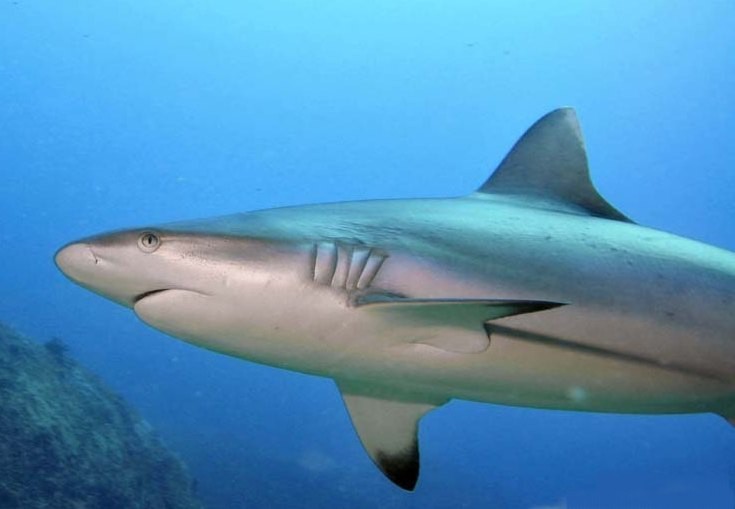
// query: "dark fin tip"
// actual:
[[401, 468]]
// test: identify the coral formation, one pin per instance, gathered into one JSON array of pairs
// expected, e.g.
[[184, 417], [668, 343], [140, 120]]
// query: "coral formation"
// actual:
[[66, 441]]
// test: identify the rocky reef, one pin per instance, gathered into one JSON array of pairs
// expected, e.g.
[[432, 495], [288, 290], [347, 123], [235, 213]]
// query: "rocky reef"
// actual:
[[66, 441]]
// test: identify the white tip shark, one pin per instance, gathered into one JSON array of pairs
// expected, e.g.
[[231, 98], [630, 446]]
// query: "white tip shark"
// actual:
[[532, 291]]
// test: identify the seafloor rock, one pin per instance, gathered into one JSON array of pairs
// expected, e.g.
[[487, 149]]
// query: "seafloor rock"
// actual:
[[66, 441]]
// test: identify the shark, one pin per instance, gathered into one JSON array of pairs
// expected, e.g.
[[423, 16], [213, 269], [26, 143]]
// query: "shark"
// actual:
[[531, 291]]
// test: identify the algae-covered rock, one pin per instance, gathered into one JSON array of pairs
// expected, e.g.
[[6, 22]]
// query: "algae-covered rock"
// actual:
[[66, 441]]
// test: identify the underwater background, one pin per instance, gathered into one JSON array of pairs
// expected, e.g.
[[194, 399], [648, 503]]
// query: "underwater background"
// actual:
[[129, 113]]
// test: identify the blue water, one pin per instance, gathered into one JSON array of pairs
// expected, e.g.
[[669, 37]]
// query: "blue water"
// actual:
[[118, 114]]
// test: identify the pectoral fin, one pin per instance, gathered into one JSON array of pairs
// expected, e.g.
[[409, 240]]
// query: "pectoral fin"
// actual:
[[491, 309], [388, 430], [453, 325]]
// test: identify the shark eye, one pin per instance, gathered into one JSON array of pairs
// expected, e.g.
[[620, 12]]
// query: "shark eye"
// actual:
[[148, 242]]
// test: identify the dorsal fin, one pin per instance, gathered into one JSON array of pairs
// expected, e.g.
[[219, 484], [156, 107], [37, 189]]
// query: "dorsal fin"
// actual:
[[550, 162]]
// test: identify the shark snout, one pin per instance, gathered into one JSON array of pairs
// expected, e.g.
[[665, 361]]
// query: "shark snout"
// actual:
[[76, 261], [80, 263]]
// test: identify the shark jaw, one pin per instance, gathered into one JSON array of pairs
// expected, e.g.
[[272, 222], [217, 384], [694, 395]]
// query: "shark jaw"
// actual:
[[532, 291]]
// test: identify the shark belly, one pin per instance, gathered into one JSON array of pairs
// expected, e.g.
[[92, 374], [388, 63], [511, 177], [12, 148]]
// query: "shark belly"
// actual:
[[530, 361]]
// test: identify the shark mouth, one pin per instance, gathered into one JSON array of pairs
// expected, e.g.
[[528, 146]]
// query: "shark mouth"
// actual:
[[151, 293], [143, 295]]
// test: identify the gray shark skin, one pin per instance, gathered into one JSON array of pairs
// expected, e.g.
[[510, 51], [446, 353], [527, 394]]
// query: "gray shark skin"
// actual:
[[531, 291]]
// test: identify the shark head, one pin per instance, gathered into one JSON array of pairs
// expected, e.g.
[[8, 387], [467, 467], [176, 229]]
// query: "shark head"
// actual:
[[205, 288], [125, 267]]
